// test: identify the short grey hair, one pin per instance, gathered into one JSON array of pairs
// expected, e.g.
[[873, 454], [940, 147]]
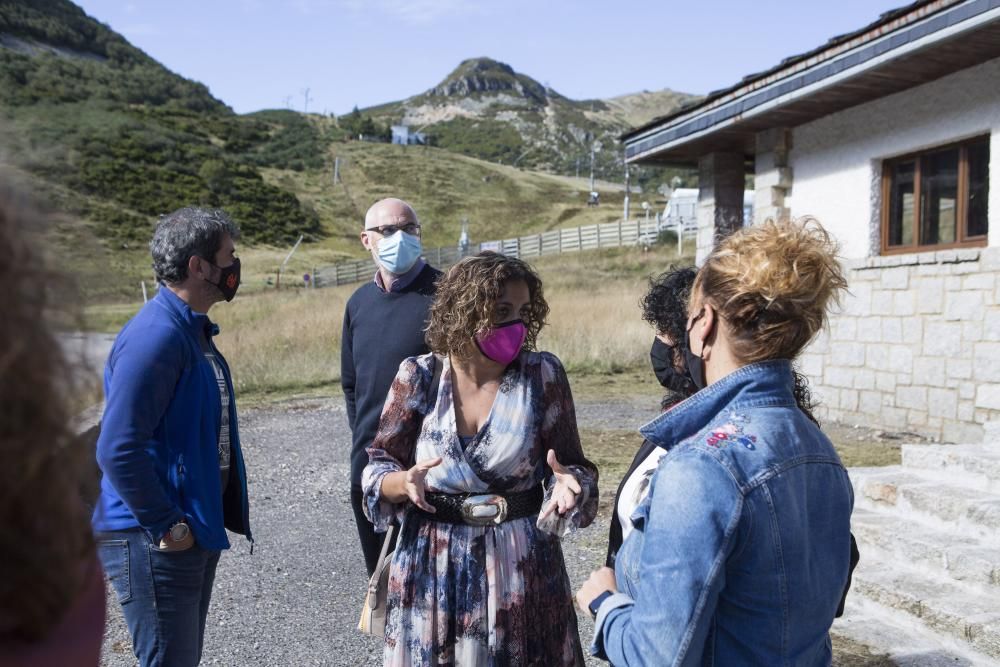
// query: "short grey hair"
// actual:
[[188, 232]]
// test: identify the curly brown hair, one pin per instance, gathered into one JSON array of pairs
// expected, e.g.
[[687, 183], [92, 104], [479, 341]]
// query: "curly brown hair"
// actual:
[[465, 298], [46, 539], [772, 284]]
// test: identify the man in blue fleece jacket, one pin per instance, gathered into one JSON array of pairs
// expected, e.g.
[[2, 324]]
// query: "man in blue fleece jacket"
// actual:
[[169, 448]]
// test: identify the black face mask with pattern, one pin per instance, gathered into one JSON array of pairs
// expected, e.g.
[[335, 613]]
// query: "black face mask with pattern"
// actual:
[[229, 279], [661, 356]]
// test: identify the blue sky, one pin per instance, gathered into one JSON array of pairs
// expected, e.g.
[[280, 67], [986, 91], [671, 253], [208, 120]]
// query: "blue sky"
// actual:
[[256, 54]]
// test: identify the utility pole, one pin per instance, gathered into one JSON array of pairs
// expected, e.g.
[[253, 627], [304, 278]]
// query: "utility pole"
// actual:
[[628, 188], [336, 170], [288, 101], [305, 100], [591, 167], [277, 283]]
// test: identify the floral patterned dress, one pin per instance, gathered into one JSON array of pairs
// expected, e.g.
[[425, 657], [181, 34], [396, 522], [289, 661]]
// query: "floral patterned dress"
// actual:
[[472, 595]]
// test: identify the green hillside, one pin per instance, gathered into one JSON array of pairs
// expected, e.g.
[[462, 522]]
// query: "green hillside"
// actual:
[[110, 139], [499, 201], [119, 140]]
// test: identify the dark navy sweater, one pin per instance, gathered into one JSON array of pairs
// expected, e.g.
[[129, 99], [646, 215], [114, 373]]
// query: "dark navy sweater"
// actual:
[[381, 329]]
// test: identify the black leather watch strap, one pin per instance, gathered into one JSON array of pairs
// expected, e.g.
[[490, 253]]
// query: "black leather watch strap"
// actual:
[[595, 604]]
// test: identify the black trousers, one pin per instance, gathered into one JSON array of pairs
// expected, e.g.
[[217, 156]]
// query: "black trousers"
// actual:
[[371, 542]]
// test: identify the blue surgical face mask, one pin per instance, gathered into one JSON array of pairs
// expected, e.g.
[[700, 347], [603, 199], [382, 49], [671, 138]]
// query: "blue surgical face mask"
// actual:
[[398, 253]]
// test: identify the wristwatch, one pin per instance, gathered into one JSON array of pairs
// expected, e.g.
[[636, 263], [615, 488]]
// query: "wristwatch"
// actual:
[[595, 604], [179, 531]]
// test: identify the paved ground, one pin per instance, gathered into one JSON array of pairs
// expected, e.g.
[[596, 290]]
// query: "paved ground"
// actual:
[[296, 600]]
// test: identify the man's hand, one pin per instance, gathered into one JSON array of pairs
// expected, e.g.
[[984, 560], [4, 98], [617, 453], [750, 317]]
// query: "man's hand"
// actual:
[[566, 488], [599, 581], [413, 483], [167, 544]]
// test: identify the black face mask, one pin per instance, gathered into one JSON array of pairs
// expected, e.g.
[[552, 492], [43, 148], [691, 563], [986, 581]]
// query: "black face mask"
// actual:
[[695, 364], [661, 356], [229, 279], [696, 368]]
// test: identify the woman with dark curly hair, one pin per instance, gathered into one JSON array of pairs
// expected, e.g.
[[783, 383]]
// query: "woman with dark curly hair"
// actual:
[[478, 455], [664, 306]]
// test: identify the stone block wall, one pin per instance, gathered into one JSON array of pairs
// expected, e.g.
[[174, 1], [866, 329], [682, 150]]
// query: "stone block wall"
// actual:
[[915, 346]]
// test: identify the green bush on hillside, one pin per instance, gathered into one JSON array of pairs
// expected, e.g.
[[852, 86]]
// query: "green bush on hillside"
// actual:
[[289, 141], [491, 140]]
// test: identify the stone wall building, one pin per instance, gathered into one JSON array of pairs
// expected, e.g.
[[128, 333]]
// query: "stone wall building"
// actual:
[[890, 136]]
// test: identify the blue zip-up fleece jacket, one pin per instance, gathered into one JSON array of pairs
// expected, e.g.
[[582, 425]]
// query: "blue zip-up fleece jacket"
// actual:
[[158, 447], [741, 550]]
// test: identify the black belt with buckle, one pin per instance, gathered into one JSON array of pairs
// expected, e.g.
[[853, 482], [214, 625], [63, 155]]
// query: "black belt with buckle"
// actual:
[[483, 509]]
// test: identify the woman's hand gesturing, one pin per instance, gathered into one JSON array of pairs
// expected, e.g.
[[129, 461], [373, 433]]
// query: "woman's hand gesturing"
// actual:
[[413, 483], [566, 488]]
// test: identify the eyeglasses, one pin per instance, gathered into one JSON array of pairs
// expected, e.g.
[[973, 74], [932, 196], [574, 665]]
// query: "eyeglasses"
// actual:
[[411, 228]]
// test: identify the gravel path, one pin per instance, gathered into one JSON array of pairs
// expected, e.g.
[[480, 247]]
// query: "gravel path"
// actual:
[[296, 600]]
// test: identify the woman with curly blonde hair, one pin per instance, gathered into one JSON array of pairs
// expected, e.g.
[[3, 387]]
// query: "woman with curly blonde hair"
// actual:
[[478, 455], [740, 550]]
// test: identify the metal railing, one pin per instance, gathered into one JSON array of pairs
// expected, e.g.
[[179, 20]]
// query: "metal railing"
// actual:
[[574, 239]]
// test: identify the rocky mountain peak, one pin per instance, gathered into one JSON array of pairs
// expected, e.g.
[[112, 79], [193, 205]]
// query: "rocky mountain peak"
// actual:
[[485, 75]]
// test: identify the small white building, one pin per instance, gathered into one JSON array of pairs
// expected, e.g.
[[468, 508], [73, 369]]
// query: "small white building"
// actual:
[[401, 134], [681, 210]]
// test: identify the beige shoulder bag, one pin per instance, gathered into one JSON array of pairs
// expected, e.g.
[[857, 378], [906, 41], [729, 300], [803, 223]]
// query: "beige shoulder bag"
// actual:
[[373, 613]]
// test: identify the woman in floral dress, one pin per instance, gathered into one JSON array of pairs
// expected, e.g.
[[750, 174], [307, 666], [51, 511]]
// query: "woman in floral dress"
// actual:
[[493, 418]]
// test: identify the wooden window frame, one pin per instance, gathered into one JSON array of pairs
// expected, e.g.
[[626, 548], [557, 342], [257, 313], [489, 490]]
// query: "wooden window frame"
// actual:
[[961, 221]]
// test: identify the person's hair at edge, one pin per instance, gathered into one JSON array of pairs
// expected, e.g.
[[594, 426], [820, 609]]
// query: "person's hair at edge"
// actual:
[[664, 305], [188, 232], [772, 284], [465, 298], [46, 540]]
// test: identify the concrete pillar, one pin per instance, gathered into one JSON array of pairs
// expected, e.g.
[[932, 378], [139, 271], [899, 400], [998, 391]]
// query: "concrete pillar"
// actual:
[[720, 199], [772, 175]]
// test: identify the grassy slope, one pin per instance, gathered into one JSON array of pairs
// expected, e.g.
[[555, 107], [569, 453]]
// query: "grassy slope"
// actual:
[[499, 202]]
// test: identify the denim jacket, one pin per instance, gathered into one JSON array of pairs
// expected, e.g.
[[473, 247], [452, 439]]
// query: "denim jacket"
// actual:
[[740, 551]]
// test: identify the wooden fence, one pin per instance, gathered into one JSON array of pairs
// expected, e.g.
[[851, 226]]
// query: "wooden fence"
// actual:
[[575, 239]]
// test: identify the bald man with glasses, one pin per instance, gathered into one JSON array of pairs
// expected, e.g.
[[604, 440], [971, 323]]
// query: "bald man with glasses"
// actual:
[[383, 324]]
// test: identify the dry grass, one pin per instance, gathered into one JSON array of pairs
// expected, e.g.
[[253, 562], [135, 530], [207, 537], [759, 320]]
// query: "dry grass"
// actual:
[[281, 342], [288, 341], [597, 331]]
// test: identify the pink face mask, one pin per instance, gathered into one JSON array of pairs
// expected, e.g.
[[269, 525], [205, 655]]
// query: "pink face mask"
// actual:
[[503, 342]]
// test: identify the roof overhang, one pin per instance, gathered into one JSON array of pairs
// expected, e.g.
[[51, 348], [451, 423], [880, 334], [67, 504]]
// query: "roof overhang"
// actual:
[[920, 43]]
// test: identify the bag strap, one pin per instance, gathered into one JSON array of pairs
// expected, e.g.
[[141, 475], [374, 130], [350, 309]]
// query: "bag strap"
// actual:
[[431, 395], [373, 583]]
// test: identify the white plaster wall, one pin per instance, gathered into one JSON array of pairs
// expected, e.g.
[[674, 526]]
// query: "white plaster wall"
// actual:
[[836, 160]]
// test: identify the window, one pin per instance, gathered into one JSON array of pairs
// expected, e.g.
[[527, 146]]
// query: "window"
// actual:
[[936, 199]]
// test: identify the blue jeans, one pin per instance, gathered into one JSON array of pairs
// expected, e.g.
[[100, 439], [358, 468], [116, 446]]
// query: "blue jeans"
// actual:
[[164, 595]]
